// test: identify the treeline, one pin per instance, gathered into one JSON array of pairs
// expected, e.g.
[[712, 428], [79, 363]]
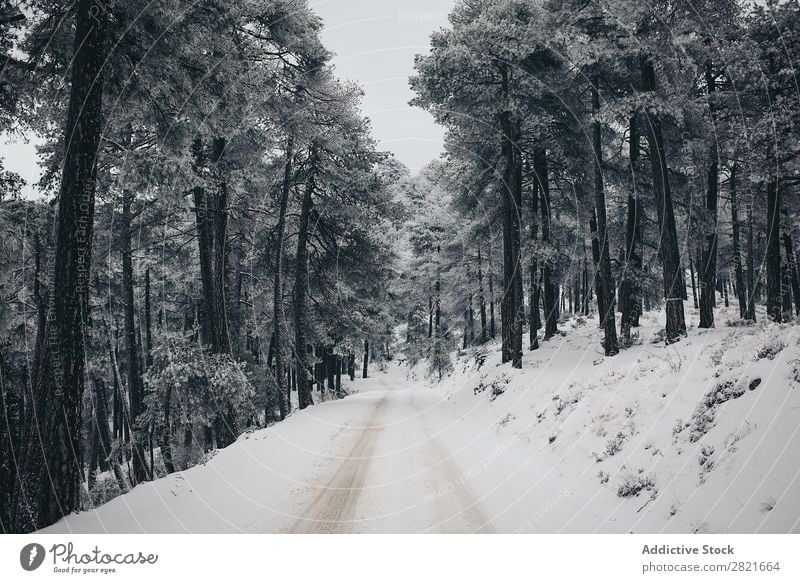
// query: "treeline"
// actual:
[[210, 250], [617, 150]]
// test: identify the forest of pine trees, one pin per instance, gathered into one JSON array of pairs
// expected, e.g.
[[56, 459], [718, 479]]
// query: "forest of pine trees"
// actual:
[[218, 239], [602, 154]]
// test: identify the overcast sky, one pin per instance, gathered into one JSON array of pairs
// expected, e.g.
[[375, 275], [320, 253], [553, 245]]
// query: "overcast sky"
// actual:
[[374, 42]]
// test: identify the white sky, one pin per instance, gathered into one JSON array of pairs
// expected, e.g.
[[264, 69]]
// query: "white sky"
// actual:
[[374, 42]]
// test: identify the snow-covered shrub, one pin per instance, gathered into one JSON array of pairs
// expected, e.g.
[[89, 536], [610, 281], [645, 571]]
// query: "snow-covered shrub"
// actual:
[[105, 487], [198, 386], [770, 349], [659, 337], [633, 484], [614, 444], [703, 417], [480, 354], [738, 323], [497, 387]]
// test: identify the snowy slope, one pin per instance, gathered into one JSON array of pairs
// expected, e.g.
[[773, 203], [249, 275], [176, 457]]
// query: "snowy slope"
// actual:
[[708, 427], [701, 436]]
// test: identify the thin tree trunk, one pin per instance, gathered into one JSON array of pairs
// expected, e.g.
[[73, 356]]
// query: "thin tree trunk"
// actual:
[[548, 286], [610, 344], [773, 255], [598, 282], [492, 327], [100, 420], [205, 242], [351, 366], [430, 316], [708, 266], [135, 384], [278, 314], [535, 320], [741, 292], [791, 265], [366, 358], [481, 298], [300, 291], [148, 323], [751, 272], [512, 282], [629, 292]]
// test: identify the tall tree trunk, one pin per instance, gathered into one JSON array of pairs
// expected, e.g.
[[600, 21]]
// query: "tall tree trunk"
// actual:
[[791, 266], [725, 290], [471, 321], [668, 244], [351, 366], [205, 242], [221, 343], [610, 344], [366, 358], [548, 286], [773, 255], [708, 267], [535, 320], [430, 316], [51, 479], [492, 326], [148, 322], [100, 420], [587, 290], [481, 297], [629, 290], [519, 294], [512, 282], [598, 282], [301, 291], [741, 291], [134, 368], [751, 272], [278, 314]]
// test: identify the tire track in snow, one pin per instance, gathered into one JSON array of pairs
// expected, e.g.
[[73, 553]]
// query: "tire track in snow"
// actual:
[[331, 511]]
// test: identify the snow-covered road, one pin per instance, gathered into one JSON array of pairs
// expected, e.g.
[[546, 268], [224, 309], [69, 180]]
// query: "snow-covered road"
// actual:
[[390, 474], [369, 463]]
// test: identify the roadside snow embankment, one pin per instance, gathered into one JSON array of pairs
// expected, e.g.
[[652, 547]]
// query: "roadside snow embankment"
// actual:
[[700, 436]]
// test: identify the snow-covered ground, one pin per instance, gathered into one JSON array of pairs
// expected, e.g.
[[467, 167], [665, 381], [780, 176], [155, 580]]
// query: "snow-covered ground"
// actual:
[[701, 436]]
